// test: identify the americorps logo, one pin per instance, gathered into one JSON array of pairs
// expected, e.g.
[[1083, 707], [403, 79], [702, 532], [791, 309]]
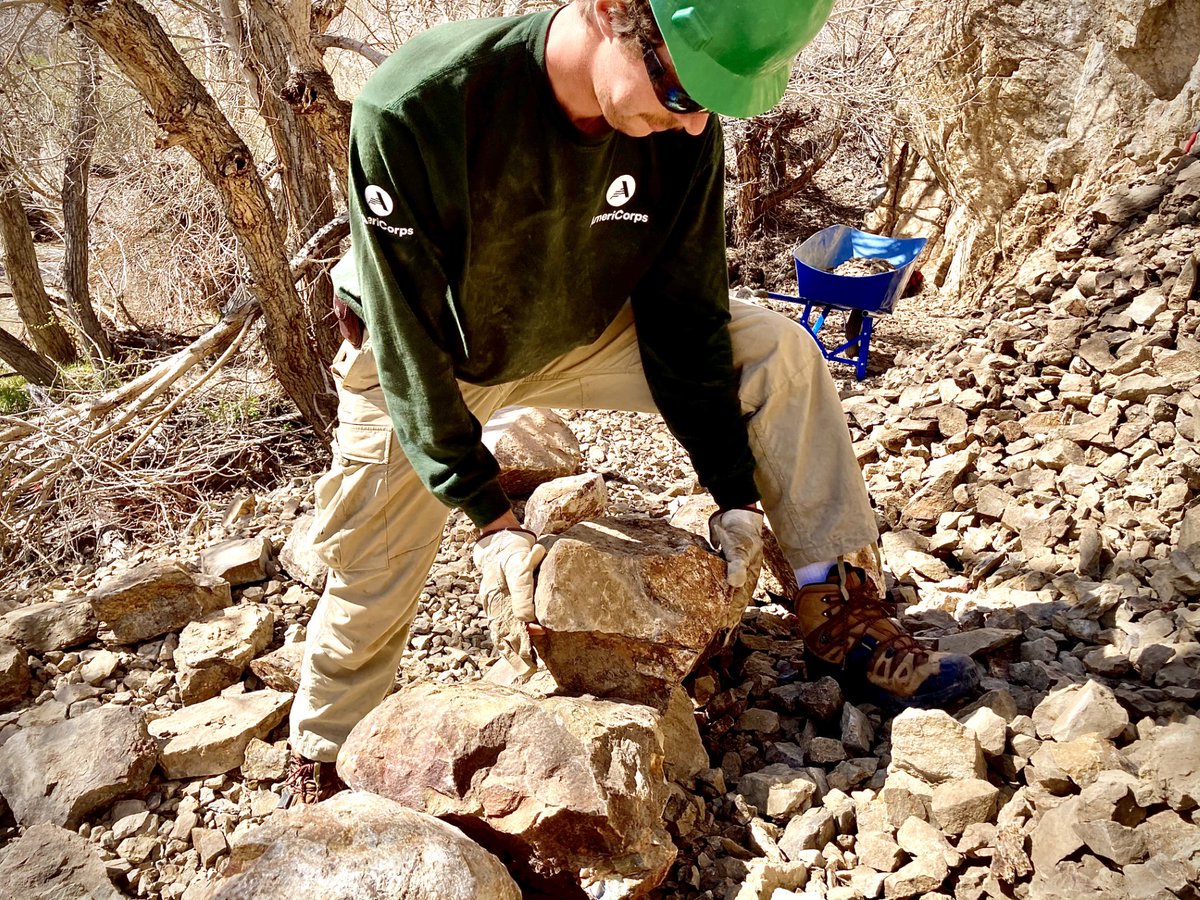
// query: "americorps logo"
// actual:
[[379, 200], [619, 193]]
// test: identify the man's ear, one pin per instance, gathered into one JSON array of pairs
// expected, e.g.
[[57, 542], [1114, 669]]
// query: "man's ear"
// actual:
[[604, 10]]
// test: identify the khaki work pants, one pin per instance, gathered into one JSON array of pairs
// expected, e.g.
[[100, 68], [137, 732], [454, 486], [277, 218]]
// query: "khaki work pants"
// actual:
[[378, 528]]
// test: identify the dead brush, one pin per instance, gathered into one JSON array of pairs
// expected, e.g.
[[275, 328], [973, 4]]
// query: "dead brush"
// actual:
[[109, 473]]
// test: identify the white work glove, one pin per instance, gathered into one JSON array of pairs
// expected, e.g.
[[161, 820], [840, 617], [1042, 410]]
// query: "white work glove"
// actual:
[[506, 561], [737, 533]]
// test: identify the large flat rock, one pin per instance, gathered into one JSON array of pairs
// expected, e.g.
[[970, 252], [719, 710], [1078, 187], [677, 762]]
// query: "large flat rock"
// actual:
[[568, 792], [43, 627], [211, 737], [50, 863], [61, 773], [381, 848], [153, 599]]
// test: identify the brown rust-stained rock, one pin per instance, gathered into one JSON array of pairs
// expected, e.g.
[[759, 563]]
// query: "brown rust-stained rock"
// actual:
[[628, 606], [375, 845], [280, 669], [42, 627], [569, 792], [153, 599], [532, 446]]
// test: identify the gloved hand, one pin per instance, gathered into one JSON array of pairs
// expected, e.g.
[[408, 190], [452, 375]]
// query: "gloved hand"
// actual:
[[737, 533], [506, 561]]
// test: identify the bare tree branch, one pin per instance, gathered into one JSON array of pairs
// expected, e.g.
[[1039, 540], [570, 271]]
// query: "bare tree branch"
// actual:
[[341, 42]]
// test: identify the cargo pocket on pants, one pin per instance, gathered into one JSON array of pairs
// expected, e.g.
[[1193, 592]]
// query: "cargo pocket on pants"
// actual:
[[350, 533]]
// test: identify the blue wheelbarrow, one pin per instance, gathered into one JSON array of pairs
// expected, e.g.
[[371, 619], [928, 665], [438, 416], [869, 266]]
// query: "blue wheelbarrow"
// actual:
[[862, 296]]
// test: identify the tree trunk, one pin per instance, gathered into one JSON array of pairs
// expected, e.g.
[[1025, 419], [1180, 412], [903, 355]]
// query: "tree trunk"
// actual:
[[46, 333], [75, 205], [187, 113], [29, 364], [310, 88], [262, 48], [748, 156]]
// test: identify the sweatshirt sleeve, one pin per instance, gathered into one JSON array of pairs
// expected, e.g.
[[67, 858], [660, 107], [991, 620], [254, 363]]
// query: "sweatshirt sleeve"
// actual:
[[681, 309], [399, 247]]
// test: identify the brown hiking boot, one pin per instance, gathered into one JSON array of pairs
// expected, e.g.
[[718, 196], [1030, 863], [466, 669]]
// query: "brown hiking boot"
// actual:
[[309, 781], [846, 623]]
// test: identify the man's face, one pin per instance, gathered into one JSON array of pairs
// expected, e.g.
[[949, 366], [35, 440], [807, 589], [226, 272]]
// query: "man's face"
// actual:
[[628, 95]]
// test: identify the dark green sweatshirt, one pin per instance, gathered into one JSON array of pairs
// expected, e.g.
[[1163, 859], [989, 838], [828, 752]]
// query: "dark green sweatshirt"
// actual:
[[489, 237]]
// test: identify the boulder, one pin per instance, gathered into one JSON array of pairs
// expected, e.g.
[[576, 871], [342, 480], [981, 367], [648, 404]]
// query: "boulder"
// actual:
[[298, 559], [214, 651], [532, 446], [628, 606], [43, 627], [238, 560], [280, 669], [1170, 758], [153, 599], [934, 747], [381, 848], [211, 737], [14, 675], [557, 505], [62, 773], [50, 863], [568, 792]]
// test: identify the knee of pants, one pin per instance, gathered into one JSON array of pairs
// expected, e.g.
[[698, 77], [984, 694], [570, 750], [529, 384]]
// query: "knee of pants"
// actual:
[[347, 635], [774, 354]]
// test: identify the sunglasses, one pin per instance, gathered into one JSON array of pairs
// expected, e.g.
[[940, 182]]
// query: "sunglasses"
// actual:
[[669, 91]]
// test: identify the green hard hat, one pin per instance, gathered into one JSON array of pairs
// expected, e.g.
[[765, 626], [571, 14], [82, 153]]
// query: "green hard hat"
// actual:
[[734, 56]]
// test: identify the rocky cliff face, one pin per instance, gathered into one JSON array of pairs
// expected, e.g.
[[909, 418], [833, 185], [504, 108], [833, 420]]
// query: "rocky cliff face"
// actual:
[[1020, 110]]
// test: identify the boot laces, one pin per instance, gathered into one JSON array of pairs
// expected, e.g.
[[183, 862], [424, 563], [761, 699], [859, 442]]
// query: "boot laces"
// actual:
[[854, 611]]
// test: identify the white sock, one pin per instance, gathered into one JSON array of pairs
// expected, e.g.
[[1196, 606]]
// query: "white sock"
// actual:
[[814, 573]]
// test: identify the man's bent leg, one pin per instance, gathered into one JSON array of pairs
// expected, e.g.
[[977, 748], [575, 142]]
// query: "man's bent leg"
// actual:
[[812, 488], [378, 529]]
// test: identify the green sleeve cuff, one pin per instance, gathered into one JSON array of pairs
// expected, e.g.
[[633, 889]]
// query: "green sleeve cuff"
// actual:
[[487, 504], [735, 491]]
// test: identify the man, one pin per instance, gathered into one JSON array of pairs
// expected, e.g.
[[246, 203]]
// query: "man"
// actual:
[[537, 219]]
